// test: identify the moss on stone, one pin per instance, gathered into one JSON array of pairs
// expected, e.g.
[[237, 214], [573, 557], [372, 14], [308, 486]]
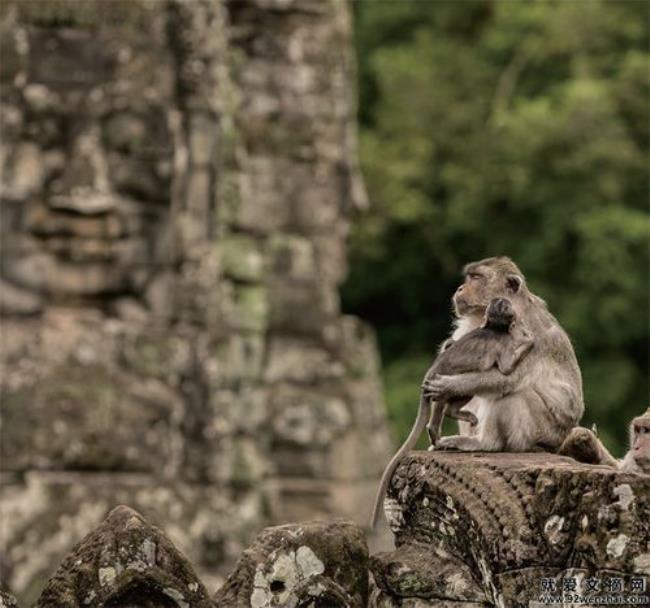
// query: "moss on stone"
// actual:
[[241, 257], [150, 355]]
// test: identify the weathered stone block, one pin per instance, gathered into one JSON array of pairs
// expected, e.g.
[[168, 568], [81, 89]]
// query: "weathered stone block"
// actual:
[[511, 519], [198, 201], [302, 306], [291, 359], [241, 257], [124, 562], [43, 273], [45, 514], [157, 354], [241, 411], [331, 256], [261, 207], [312, 563], [300, 498], [7, 600], [244, 307], [25, 174], [240, 357], [292, 256], [409, 572], [347, 462], [203, 134], [87, 417], [17, 301], [307, 417]]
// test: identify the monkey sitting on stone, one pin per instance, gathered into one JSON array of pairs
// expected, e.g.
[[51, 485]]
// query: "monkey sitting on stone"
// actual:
[[536, 406], [584, 446], [500, 342]]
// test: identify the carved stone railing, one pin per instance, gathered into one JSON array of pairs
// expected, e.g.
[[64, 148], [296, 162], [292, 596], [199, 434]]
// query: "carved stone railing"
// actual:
[[505, 529]]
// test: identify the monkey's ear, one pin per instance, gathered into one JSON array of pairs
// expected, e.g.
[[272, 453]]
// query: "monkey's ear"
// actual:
[[514, 282]]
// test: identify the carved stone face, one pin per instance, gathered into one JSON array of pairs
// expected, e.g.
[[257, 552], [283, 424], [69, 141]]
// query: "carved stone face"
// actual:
[[86, 162]]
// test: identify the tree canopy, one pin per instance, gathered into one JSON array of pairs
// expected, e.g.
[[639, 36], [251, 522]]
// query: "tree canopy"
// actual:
[[495, 127]]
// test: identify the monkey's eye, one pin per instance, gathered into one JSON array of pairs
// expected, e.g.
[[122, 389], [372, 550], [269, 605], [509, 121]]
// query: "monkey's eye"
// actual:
[[473, 276], [642, 430]]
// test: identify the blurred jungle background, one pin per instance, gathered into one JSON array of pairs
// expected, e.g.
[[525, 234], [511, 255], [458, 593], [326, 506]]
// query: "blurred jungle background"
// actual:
[[517, 128]]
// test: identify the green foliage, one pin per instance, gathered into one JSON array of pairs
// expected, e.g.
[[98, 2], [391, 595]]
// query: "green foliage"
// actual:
[[507, 127]]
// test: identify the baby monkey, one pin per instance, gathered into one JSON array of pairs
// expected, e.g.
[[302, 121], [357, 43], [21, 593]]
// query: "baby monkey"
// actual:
[[500, 342]]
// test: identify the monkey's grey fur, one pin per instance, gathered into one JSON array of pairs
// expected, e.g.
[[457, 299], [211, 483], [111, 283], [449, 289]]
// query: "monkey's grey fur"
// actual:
[[584, 446], [535, 406], [494, 344], [637, 460], [499, 342]]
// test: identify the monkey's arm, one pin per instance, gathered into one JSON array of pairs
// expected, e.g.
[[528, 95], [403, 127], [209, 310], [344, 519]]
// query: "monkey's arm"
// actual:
[[472, 383], [512, 354]]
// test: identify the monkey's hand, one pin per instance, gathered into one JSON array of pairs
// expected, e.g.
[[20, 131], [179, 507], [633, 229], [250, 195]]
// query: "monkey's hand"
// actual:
[[445, 388], [427, 389], [441, 388]]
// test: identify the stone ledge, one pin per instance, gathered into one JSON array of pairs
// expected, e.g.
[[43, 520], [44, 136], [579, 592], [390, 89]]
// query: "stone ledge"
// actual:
[[506, 521]]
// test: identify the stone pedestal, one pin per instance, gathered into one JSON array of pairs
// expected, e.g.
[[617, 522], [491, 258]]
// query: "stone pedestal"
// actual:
[[505, 529]]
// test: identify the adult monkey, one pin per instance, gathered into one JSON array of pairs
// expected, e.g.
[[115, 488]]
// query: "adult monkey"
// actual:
[[534, 407]]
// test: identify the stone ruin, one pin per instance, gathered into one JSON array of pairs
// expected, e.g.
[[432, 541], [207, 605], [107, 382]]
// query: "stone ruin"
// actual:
[[177, 185], [471, 531], [480, 529]]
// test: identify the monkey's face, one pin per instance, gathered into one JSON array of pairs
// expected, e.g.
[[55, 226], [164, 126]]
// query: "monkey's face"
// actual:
[[641, 442], [485, 281], [499, 314]]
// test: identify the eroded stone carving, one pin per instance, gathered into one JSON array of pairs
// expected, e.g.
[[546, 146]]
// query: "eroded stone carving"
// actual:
[[177, 184], [476, 530], [87, 163], [124, 563], [300, 565], [7, 600], [505, 521]]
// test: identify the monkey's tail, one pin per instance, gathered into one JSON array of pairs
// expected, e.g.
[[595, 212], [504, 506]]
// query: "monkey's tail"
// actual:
[[418, 426]]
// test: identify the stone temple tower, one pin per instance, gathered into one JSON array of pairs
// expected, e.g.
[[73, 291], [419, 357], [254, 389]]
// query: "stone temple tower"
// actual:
[[177, 185]]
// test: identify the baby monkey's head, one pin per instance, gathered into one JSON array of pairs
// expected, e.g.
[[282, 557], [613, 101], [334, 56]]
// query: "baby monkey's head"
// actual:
[[499, 314]]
